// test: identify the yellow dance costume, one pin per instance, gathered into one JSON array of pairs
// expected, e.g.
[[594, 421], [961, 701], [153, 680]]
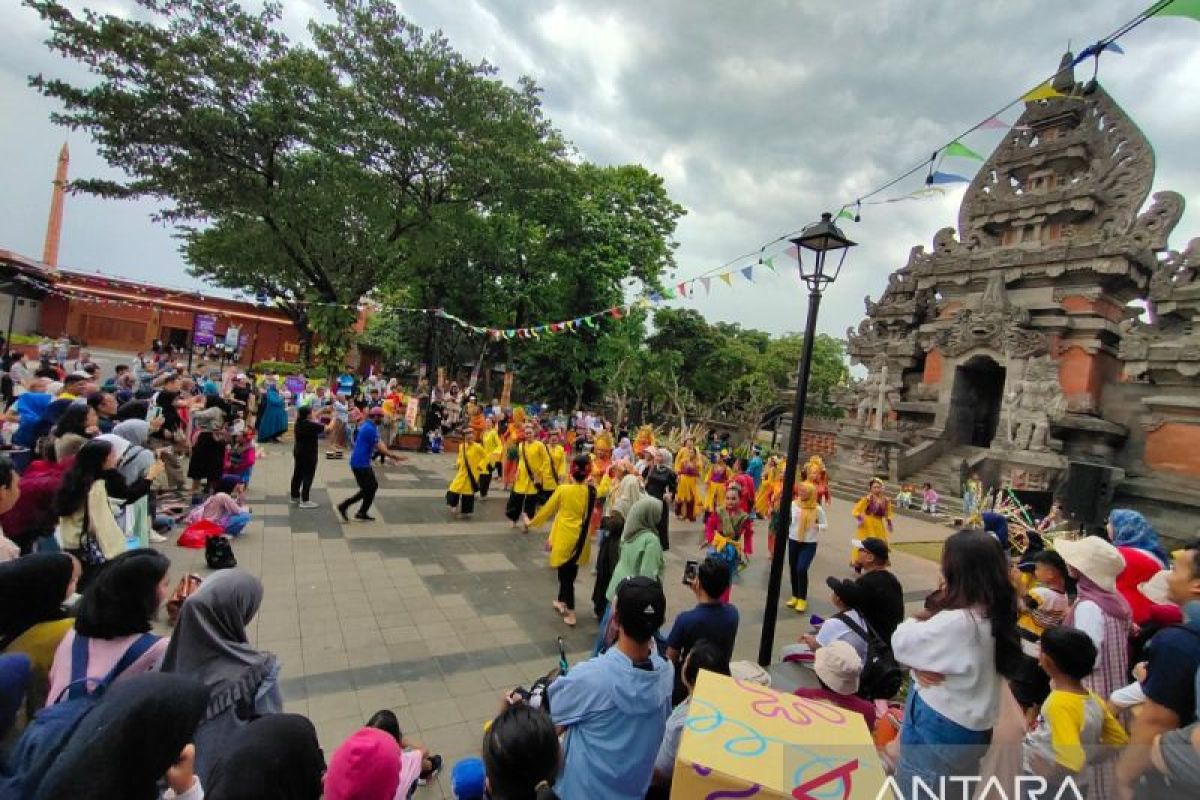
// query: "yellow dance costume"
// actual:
[[687, 497], [567, 506]]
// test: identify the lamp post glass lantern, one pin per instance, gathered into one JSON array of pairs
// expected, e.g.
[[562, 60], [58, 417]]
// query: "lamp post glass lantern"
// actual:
[[819, 240]]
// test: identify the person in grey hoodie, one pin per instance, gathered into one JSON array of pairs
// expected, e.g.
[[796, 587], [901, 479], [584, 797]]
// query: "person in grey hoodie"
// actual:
[[614, 707]]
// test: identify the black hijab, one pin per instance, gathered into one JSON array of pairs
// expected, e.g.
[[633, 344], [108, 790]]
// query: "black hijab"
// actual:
[[274, 757], [32, 590], [128, 741]]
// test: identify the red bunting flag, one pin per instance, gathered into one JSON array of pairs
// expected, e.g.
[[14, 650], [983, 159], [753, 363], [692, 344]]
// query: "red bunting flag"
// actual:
[[615, 312], [682, 287]]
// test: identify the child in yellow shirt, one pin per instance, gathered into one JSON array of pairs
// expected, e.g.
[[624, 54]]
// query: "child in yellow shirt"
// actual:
[[1074, 724]]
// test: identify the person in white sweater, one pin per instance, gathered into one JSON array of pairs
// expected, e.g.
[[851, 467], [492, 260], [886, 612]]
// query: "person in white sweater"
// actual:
[[958, 650]]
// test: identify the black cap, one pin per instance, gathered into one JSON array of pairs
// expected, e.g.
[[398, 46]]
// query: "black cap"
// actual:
[[642, 598], [875, 546], [849, 591]]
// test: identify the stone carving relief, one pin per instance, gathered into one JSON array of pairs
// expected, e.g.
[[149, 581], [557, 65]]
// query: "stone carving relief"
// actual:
[[995, 323], [877, 393], [1034, 401], [872, 457]]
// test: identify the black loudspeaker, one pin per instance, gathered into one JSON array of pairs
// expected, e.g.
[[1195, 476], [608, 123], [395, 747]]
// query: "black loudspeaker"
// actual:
[[1088, 492]]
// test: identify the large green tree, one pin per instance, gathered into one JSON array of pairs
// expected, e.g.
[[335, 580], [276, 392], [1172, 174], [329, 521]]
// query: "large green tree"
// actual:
[[305, 172]]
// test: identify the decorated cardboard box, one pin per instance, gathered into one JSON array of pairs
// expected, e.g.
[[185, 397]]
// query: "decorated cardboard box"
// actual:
[[745, 740]]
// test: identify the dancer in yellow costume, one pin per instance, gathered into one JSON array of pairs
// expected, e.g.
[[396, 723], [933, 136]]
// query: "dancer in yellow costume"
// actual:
[[472, 467], [533, 476], [571, 505], [819, 477], [874, 515], [687, 467], [718, 478], [558, 460], [644, 440], [762, 498]]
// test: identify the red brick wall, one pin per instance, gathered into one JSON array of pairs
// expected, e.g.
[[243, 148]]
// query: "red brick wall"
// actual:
[[816, 442]]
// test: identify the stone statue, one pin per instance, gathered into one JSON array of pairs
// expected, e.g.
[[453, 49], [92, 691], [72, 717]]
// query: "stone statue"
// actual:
[[1033, 402], [873, 396]]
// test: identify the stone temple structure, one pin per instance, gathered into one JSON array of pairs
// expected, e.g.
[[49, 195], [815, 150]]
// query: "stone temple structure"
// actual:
[[1012, 348]]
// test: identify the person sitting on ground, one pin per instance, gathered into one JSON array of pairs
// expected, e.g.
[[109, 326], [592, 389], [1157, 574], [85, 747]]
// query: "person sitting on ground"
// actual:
[[27, 517], [522, 758], [416, 765], [881, 600], [211, 644], [273, 757], [703, 655], [712, 620], [365, 767], [614, 707], [140, 733], [846, 598], [114, 621], [1073, 722], [904, 497], [929, 499], [838, 667], [224, 507], [33, 621], [86, 524]]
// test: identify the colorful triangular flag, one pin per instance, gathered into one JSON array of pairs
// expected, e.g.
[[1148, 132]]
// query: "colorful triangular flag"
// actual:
[[946, 177], [669, 294], [615, 312], [793, 252], [589, 321], [928, 191], [725, 276], [1180, 8], [655, 297], [994, 124], [707, 284], [682, 287], [1044, 91], [770, 262], [748, 273], [846, 213], [960, 150]]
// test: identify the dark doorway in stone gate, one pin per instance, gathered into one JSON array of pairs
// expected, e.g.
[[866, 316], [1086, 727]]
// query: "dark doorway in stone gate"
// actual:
[[976, 401]]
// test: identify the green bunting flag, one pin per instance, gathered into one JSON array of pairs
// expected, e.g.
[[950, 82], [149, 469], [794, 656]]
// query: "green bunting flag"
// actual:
[[770, 262], [1179, 8], [668, 294], [960, 150], [846, 213]]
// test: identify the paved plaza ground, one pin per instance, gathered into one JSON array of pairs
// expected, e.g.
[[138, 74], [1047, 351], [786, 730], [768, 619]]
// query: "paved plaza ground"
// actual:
[[434, 617]]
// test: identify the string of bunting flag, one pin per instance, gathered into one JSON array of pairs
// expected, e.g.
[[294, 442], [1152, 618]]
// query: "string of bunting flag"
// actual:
[[936, 178]]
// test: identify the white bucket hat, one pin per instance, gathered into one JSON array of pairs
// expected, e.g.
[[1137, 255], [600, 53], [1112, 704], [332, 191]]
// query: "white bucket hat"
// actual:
[[839, 666], [1094, 557]]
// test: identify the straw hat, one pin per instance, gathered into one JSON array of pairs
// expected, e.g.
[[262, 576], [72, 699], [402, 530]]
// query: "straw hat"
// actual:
[[1094, 557], [839, 666]]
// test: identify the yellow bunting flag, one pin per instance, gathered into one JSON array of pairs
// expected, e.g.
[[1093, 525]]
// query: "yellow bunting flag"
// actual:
[[1044, 91], [725, 276]]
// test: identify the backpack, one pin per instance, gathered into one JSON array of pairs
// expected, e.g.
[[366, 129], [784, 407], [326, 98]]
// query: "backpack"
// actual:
[[218, 553], [881, 675], [53, 726]]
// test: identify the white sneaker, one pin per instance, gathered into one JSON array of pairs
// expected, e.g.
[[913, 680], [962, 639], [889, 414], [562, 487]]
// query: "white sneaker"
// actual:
[[294, 501], [157, 538], [310, 504]]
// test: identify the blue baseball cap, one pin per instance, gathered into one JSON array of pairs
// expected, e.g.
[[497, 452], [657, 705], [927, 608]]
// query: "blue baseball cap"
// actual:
[[466, 779]]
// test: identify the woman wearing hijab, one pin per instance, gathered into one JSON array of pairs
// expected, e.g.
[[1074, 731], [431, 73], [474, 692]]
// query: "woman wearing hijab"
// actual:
[[32, 592], [115, 613], [1128, 528], [86, 523], [276, 757], [30, 523], [208, 448], [140, 732], [210, 644], [224, 507], [139, 467], [125, 492], [620, 489], [571, 506], [365, 767], [641, 554], [272, 415], [1104, 615]]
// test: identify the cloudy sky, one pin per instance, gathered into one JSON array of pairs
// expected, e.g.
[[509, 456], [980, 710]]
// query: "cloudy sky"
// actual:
[[758, 114]]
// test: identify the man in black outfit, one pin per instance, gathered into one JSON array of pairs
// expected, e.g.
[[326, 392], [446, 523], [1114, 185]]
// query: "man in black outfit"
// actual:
[[661, 482], [304, 452], [882, 595]]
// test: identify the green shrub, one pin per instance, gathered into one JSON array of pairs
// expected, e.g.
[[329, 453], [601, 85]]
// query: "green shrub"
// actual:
[[282, 367], [25, 338]]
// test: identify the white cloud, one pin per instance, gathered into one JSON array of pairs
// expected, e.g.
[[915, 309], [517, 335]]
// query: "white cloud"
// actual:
[[758, 115]]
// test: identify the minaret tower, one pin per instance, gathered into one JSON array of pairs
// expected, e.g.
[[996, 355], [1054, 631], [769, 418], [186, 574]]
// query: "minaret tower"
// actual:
[[54, 223]]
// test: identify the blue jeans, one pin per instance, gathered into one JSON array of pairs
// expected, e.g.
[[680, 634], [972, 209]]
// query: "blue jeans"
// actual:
[[800, 556], [932, 747], [236, 522]]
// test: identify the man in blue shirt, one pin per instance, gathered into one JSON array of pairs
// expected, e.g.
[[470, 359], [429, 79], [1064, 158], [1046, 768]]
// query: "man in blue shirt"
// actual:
[[366, 444], [710, 620], [614, 707], [755, 468], [1168, 678]]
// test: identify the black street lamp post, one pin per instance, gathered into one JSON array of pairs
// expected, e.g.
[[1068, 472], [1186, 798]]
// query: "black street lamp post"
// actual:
[[820, 239]]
